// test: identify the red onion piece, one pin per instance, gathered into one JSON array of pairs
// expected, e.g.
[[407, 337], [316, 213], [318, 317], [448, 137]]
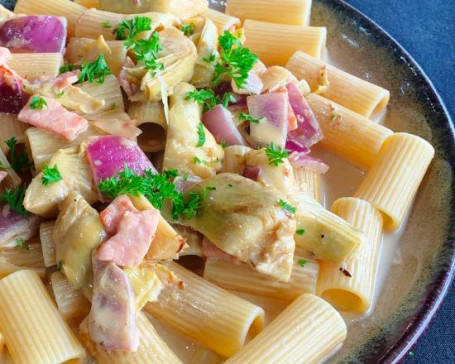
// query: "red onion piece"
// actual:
[[252, 172], [273, 108], [220, 123], [182, 184], [14, 226], [12, 99], [295, 147], [308, 131], [34, 34], [109, 154], [301, 160]]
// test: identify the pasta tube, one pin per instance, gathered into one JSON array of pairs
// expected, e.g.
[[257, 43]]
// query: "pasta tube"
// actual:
[[65, 8], [325, 235], [296, 12], [11, 127], [16, 259], [286, 40], [47, 243], [392, 182], [71, 303], [305, 332], [32, 66], [309, 182], [34, 330], [356, 94], [354, 293], [222, 21], [347, 134], [241, 277], [206, 313]]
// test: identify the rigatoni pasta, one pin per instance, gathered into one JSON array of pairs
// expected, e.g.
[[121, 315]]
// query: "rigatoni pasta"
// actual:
[[222, 21], [392, 182], [347, 134], [32, 66], [347, 90], [242, 278], [287, 39], [309, 182], [354, 293], [34, 331], [214, 317], [296, 12], [295, 336]]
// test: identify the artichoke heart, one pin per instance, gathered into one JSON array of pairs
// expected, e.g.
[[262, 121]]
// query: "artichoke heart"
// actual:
[[207, 46], [244, 219], [178, 57], [77, 232]]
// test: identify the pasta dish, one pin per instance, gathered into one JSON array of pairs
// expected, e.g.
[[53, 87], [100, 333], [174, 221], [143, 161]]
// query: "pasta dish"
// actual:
[[162, 199]]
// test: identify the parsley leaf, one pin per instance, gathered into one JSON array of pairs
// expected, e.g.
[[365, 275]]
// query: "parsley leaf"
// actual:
[[205, 97], [50, 175], [249, 118], [196, 160], [302, 262], [300, 231], [38, 103], [276, 155], [201, 134], [211, 58], [18, 161], [228, 98], [67, 68], [289, 208], [94, 71], [223, 144], [15, 199], [236, 61], [20, 244], [130, 28], [188, 29], [59, 265], [157, 188], [107, 25]]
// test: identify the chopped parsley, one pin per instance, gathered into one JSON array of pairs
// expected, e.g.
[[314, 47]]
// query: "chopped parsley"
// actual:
[[18, 160], [208, 99], [236, 60], [95, 71], [15, 199], [302, 262], [20, 244], [201, 134], [228, 98], [196, 160], [249, 118], [59, 265], [67, 68], [128, 29], [107, 25], [210, 59], [276, 155], [289, 208], [300, 231], [60, 94], [188, 29], [50, 175], [223, 144], [157, 188], [38, 103]]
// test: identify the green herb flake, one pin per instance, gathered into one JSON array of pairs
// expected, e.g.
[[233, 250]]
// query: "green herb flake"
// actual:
[[201, 135], [59, 265], [18, 160], [130, 28], [20, 244], [95, 71], [38, 103], [249, 118], [210, 59], [303, 262], [300, 232], [228, 98], [15, 199], [60, 94], [236, 61], [107, 25], [223, 144], [50, 175], [289, 208], [67, 68], [276, 155], [188, 29]]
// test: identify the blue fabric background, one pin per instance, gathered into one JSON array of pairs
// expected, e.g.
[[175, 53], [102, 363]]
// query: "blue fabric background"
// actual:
[[426, 29]]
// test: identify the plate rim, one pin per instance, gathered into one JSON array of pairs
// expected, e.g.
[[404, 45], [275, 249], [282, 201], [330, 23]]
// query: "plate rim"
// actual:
[[443, 280]]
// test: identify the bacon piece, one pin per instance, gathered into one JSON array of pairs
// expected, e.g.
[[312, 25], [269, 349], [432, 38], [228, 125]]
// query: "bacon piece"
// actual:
[[135, 233], [54, 118], [112, 215], [112, 318]]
